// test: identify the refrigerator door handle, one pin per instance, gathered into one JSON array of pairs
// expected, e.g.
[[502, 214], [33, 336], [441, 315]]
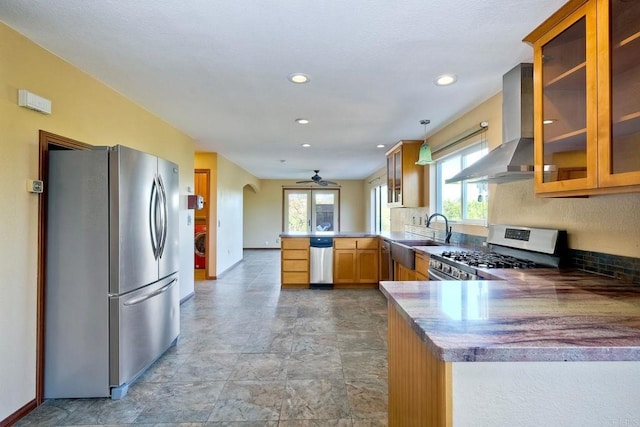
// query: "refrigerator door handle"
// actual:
[[143, 298], [153, 208], [163, 217]]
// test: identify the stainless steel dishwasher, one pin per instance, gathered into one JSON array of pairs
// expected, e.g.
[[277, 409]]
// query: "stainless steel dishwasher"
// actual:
[[321, 262]]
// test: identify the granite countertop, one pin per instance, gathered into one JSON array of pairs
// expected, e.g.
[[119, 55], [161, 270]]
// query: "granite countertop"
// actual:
[[328, 234], [396, 236], [530, 315]]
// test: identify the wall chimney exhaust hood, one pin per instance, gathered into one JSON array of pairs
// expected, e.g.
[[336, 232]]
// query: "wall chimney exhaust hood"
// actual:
[[513, 159]]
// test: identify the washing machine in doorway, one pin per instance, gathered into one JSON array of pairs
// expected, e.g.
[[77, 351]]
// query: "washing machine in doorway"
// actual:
[[199, 246]]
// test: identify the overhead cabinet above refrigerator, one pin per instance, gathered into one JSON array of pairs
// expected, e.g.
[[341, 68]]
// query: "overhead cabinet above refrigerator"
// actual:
[[112, 297]]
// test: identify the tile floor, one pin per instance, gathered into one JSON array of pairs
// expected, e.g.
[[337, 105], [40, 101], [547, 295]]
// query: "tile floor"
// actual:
[[250, 354]]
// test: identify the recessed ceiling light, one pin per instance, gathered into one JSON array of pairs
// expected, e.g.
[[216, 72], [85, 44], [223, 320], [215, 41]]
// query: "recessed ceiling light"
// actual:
[[299, 78], [305, 145], [548, 121], [302, 121], [446, 79], [380, 146]]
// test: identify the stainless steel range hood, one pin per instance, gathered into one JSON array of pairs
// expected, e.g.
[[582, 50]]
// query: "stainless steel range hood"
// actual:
[[513, 159]]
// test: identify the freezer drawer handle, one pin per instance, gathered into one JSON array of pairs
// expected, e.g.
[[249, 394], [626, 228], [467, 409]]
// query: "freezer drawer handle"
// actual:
[[152, 294]]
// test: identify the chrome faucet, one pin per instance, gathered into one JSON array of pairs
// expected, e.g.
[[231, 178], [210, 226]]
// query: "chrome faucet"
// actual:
[[447, 229]]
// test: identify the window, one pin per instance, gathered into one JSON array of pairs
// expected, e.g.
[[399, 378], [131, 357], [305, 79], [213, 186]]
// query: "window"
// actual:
[[461, 201], [380, 213], [311, 210]]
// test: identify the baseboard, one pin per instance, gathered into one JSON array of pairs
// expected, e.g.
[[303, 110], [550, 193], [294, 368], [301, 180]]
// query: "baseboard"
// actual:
[[187, 297], [13, 418], [263, 249]]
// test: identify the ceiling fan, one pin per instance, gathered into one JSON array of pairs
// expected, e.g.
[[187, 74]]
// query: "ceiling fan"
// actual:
[[318, 180]]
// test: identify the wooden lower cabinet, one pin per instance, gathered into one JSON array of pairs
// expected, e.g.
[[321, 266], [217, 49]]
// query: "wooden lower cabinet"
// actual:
[[420, 385], [422, 266], [355, 262], [367, 266], [295, 262], [344, 266], [403, 274]]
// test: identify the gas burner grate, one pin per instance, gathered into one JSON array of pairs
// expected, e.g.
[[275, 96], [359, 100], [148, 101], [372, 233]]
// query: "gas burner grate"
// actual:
[[488, 259]]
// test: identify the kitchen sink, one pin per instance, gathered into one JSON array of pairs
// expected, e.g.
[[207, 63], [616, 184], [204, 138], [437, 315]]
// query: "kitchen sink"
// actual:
[[403, 254], [420, 243]]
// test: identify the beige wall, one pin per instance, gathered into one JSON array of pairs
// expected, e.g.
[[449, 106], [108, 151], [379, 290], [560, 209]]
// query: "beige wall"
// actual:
[[230, 199], [608, 224], [85, 110], [263, 211]]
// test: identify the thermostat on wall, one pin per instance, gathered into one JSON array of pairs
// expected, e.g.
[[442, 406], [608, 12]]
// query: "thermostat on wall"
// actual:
[[35, 186]]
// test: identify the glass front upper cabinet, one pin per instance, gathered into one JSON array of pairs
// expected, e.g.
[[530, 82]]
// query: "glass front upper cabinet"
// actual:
[[620, 155], [587, 99]]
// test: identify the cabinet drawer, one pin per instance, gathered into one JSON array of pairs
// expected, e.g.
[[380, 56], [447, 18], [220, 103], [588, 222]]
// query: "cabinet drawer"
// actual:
[[295, 243], [368, 243], [295, 265], [344, 243], [422, 265], [295, 254], [289, 277]]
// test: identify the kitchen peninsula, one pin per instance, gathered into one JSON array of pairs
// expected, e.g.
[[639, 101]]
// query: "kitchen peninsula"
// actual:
[[355, 261], [543, 347]]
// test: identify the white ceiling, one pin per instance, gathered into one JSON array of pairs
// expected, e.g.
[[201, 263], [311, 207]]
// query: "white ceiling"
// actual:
[[218, 70]]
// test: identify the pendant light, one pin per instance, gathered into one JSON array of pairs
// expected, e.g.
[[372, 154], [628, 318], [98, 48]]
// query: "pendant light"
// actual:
[[424, 157]]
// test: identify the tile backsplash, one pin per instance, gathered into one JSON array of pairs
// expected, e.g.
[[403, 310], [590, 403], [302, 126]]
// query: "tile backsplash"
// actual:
[[619, 267]]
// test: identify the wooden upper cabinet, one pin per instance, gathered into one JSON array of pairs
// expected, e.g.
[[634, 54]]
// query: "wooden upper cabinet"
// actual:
[[405, 179], [620, 81], [587, 99]]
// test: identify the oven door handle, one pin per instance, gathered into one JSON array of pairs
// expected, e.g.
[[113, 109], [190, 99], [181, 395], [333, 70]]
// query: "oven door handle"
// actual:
[[435, 275]]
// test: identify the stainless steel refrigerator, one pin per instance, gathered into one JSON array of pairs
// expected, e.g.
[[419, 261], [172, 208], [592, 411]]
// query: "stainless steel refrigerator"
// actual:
[[112, 296]]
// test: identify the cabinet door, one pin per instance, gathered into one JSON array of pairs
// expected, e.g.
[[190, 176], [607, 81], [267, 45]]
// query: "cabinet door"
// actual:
[[404, 274], [565, 99], [390, 179], [367, 266], [422, 265], [397, 176], [619, 89], [344, 266]]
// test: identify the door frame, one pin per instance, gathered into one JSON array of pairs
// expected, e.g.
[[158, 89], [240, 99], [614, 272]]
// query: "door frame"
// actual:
[[207, 217], [46, 141]]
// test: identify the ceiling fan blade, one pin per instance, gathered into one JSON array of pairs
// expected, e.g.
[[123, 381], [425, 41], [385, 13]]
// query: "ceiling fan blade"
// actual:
[[329, 183], [305, 182]]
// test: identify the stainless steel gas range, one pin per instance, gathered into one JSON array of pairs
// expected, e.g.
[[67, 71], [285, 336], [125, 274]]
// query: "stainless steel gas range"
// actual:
[[509, 246]]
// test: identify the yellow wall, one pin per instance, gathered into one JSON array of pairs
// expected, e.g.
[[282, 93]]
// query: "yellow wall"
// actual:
[[83, 109], [608, 224]]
